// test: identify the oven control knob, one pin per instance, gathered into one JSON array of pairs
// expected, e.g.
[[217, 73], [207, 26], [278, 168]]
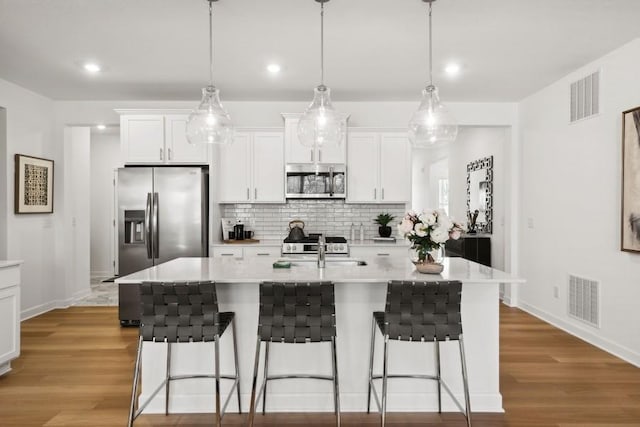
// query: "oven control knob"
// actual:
[[293, 248], [339, 247], [287, 248]]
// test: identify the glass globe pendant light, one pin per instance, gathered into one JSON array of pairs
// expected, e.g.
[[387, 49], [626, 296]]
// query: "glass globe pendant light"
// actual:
[[432, 122], [320, 125], [210, 123]]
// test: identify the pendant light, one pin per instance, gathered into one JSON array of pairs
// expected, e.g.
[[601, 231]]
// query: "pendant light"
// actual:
[[432, 122], [210, 123], [320, 125]]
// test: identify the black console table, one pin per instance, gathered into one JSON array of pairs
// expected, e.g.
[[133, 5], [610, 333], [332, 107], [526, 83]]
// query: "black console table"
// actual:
[[474, 247]]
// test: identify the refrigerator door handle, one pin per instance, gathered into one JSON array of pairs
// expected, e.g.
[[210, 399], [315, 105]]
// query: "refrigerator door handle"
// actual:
[[156, 239], [147, 226]]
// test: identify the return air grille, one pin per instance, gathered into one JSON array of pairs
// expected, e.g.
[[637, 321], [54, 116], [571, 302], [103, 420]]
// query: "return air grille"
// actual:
[[585, 97], [584, 300]]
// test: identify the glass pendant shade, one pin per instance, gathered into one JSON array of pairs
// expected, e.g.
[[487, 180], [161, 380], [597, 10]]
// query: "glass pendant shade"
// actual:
[[320, 125], [432, 123], [209, 123]]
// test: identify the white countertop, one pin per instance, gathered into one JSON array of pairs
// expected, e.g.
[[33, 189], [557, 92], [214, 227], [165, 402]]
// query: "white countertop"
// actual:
[[9, 263], [378, 269]]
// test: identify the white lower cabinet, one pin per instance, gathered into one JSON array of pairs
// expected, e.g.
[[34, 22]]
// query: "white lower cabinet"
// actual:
[[379, 251], [251, 169], [379, 167], [9, 314], [239, 250]]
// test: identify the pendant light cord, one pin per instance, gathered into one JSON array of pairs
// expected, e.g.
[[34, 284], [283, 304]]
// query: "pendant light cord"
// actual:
[[211, 42], [322, 44], [430, 47]]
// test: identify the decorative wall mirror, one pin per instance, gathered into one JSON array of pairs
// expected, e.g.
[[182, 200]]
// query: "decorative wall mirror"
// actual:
[[480, 195]]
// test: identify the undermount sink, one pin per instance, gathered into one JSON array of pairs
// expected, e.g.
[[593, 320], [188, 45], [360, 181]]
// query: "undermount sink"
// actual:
[[329, 262]]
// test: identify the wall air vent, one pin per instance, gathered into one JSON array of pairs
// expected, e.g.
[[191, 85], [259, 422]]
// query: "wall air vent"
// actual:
[[584, 300], [585, 97]]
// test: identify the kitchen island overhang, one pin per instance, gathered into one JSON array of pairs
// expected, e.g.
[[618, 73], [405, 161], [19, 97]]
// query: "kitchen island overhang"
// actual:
[[360, 290]]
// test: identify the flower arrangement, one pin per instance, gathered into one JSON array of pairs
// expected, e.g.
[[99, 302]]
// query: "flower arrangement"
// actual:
[[428, 231]]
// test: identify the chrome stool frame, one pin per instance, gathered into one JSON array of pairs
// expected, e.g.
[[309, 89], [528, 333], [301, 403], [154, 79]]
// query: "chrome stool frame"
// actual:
[[419, 312], [179, 313], [295, 312]]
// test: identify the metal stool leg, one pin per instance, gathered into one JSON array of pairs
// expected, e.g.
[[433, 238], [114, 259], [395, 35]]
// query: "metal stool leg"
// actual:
[[218, 407], [336, 388], [134, 391], [384, 379], [166, 387], [467, 400], [266, 370], [252, 404], [373, 342], [437, 356], [235, 357]]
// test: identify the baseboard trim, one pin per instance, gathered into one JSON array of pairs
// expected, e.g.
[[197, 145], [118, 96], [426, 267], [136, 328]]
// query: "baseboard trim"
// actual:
[[53, 305], [615, 349]]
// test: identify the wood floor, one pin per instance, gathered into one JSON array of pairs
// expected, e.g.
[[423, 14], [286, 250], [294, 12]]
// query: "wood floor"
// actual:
[[76, 366]]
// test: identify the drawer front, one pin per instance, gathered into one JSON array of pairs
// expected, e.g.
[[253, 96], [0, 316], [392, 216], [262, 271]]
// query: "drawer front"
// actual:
[[262, 251], [224, 252], [9, 276], [9, 324]]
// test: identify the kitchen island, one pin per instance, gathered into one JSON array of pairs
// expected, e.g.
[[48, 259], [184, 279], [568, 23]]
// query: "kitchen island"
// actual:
[[359, 290]]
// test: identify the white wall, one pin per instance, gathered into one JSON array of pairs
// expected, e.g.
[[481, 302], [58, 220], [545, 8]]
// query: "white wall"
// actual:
[[4, 177], [32, 238], [105, 157], [571, 186]]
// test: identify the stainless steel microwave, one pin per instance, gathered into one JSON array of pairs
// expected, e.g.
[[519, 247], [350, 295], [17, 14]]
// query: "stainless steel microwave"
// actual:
[[308, 181]]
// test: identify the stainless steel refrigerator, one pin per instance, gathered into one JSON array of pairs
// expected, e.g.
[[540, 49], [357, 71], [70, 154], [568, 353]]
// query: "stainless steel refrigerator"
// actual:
[[162, 215]]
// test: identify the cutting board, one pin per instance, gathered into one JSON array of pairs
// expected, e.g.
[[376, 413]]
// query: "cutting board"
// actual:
[[242, 241]]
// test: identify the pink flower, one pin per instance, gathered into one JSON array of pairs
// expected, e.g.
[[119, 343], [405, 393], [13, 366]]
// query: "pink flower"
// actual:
[[455, 234]]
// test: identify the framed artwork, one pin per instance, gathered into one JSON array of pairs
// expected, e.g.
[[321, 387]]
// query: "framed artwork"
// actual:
[[33, 185], [630, 239]]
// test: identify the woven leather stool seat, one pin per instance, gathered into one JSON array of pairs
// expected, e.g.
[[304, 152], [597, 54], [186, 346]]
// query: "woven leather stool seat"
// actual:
[[296, 313], [179, 313], [421, 312]]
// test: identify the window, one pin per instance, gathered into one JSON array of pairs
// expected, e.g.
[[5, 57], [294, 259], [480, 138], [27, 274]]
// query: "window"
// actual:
[[443, 195]]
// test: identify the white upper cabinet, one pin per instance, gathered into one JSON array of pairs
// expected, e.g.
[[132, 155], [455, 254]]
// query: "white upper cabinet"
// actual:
[[158, 139], [251, 169], [297, 153], [379, 167]]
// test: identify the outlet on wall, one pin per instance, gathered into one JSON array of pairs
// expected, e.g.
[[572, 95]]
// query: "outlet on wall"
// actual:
[[555, 292]]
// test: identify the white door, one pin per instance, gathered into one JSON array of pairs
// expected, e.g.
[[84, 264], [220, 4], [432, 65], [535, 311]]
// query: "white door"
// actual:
[[296, 152], [142, 139], [362, 167], [395, 168], [268, 167], [179, 150], [233, 165]]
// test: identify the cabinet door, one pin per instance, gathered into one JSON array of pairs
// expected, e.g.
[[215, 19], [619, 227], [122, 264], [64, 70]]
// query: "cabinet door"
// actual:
[[395, 168], [333, 154], [142, 139], [362, 168], [179, 150], [262, 251], [294, 151], [268, 167], [10, 325], [233, 165]]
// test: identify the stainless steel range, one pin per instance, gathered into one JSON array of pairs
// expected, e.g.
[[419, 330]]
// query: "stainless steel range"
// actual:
[[309, 246]]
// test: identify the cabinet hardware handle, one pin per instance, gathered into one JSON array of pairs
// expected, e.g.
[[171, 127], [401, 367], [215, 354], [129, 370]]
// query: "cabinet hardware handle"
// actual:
[[226, 254], [312, 155], [161, 155], [169, 153], [247, 193], [383, 254], [319, 155], [263, 254], [383, 193], [375, 193], [255, 194]]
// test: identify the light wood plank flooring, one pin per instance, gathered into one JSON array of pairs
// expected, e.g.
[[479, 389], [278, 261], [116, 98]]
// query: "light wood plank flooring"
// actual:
[[76, 366]]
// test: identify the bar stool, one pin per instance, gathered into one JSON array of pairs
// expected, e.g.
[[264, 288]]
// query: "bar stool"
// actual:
[[421, 312], [297, 313], [183, 312]]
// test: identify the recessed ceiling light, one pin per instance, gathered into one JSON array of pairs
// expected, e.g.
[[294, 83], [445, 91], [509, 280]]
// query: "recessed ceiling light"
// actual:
[[101, 127], [273, 68], [92, 67], [452, 69]]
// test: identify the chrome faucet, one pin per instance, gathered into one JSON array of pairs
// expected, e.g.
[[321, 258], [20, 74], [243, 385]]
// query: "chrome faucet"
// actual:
[[321, 251]]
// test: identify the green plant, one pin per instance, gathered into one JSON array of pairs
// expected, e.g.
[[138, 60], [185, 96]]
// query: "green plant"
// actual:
[[384, 219]]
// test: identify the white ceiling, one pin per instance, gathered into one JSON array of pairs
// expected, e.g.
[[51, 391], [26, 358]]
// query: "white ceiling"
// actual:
[[375, 49]]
